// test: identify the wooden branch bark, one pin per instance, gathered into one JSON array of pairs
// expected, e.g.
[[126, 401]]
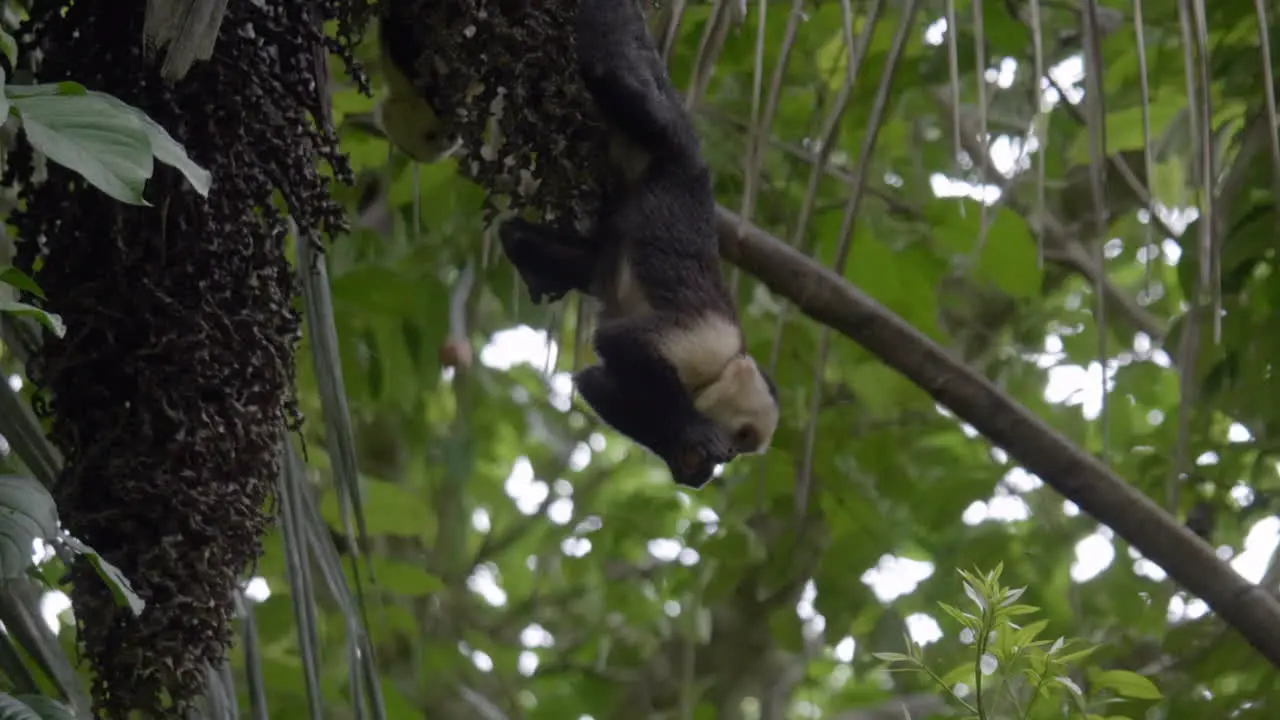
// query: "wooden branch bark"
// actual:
[[830, 299]]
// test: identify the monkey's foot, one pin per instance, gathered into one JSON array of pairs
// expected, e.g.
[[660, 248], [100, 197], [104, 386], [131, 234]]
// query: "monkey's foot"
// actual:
[[529, 248]]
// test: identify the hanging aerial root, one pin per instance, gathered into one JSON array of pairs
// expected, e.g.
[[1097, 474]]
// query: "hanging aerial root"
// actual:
[[173, 388]]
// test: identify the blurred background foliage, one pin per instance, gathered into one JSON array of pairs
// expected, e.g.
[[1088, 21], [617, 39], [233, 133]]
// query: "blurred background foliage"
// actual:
[[525, 562]]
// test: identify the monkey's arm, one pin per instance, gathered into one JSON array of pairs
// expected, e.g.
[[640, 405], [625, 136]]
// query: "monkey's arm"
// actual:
[[687, 442], [550, 261], [652, 403]]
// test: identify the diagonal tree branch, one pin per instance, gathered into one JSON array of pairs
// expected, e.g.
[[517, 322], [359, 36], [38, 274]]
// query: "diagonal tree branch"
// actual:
[[830, 299]]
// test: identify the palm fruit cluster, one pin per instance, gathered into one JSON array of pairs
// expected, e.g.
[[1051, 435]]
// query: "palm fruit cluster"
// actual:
[[172, 391], [502, 77]]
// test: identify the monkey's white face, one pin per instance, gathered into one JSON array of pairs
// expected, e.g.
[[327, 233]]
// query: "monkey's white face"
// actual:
[[731, 389], [739, 401]]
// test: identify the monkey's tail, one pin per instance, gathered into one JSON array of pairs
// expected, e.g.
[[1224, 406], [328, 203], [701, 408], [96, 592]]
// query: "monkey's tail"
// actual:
[[621, 68]]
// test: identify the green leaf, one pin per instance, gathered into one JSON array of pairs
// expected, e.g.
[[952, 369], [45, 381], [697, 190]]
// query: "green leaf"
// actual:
[[1029, 632], [163, 146], [48, 319], [120, 587], [27, 512], [1010, 596], [960, 673], [892, 657], [1015, 610], [966, 619], [1068, 683], [37, 707], [21, 280], [66, 88], [1075, 655], [390, 508], [107, 147], [405, 579], [106, 140], [9, 47], [1125, 129], [975, 596], [1127, 684], [1010, 256], [5, 104], [787, 631], [11, 708]]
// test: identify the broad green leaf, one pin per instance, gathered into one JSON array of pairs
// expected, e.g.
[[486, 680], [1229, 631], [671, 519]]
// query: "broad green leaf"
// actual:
[[106, 146], [960, 673], [787, 631], [1124, 127], [45, 90], [833, 60], [27, 512], [38, 707], [48, 319], [120, 587], [163, 146], [11, 708], [1029, 632], [351, 101], [5, 104], [9, 47], [406, 579], [905, 280], [1010, 258], [1170, 182], [20, 280], [882, 391], [390, 509], [1127, 684], [97, 135]]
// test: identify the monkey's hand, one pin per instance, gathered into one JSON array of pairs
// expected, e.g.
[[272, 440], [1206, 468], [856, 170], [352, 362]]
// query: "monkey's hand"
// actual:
[[666, 424], [551, 262]]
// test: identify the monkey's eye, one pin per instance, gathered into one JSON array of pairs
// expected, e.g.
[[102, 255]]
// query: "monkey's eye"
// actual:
[[746, 438]]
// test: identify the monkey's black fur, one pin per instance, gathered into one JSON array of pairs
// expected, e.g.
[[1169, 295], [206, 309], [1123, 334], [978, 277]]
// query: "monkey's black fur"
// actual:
[[653, 255]]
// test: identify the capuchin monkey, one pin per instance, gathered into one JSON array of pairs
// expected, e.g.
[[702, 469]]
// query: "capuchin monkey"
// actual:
[[674, 374]]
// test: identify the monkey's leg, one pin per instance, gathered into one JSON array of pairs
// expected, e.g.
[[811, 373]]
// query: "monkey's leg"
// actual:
[[620, 67], [631, 413], [550, 261], [685, 440]]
